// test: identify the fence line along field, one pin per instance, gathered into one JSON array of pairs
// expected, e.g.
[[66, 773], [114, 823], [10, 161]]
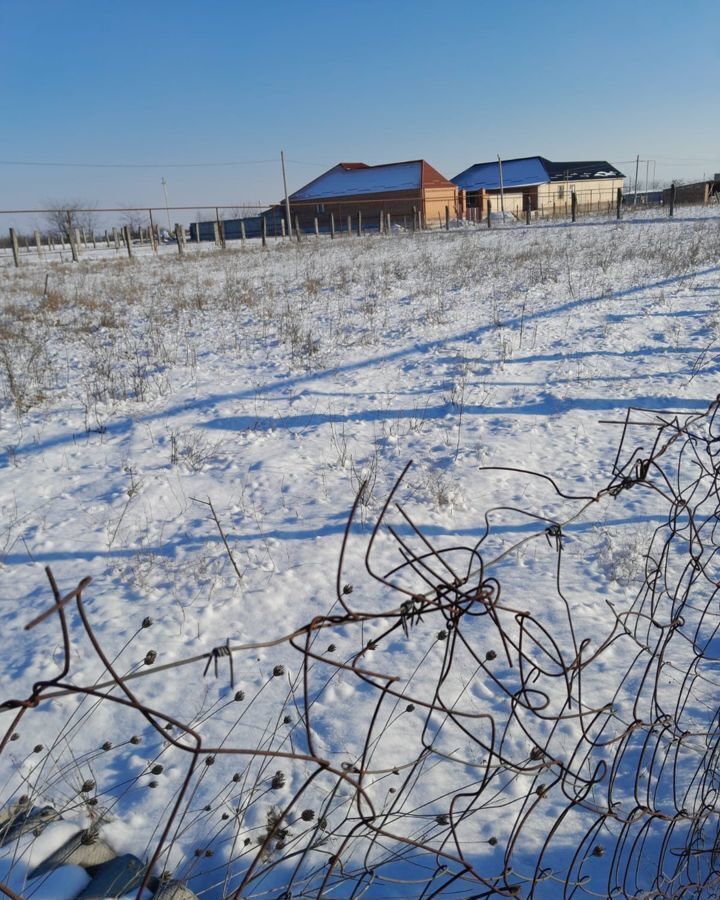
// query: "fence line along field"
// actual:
[[403, 564], [60, 233]]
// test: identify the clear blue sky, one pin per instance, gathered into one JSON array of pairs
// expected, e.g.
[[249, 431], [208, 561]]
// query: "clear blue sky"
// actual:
[[454, 82]]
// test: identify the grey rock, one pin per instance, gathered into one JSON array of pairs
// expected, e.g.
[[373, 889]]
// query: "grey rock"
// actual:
[[114, 878], [19, 819], [83, 849], [174, 890]]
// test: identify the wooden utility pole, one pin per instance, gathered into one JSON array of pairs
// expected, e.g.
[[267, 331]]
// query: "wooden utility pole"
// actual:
[[502, 187], [287, 199], [637, 166], [167, 208]]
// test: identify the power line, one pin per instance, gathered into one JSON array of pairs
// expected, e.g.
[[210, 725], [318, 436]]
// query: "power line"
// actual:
[[196, 165], [72, 165]]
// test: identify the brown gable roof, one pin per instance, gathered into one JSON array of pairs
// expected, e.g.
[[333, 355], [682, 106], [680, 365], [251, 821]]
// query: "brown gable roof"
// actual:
[[431, 178]]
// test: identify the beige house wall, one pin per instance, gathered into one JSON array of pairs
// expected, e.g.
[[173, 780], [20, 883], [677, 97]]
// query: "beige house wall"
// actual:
[[512, 201], [436, 199], [591, 194]]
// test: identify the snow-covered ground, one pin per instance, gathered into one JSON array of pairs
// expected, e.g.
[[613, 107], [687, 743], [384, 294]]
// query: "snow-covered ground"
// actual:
[[191, 433]]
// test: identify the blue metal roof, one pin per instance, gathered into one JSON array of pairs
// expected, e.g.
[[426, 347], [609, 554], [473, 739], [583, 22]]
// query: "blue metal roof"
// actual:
[[530, 171], [342, 181], [515, 173]]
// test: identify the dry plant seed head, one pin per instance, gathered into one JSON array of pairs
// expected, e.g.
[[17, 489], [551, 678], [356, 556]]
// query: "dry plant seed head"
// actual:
[[278, 781]]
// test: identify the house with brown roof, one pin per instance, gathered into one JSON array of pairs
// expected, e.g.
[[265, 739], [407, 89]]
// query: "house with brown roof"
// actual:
[[411, 191]]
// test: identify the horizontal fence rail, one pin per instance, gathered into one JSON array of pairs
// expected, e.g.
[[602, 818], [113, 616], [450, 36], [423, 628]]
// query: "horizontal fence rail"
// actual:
[[68, 233]]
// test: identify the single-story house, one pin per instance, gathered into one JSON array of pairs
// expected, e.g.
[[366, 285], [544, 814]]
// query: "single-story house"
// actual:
[[539, 182], [402, 190]]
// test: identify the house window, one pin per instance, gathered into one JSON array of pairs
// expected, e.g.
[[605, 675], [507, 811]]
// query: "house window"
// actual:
[[561, 191], [319, 208]]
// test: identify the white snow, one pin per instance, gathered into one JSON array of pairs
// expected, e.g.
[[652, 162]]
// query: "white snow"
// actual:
[[271, 384]]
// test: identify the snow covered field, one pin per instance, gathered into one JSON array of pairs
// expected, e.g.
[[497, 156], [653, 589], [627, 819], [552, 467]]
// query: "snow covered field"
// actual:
[[192, 433]]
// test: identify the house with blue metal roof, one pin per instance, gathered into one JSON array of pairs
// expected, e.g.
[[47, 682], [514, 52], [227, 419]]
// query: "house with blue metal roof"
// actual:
[[545, 186], [411, 191]]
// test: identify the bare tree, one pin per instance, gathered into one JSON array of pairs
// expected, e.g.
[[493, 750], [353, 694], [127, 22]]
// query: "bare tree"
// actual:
[[135, 218], [81, 215], [245, 211]]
